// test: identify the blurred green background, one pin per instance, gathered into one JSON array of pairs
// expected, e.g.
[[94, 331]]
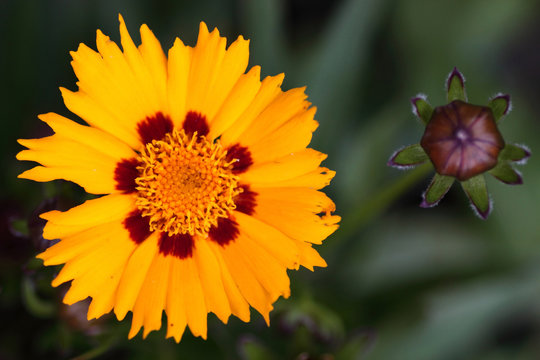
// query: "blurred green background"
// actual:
[[402, 282]]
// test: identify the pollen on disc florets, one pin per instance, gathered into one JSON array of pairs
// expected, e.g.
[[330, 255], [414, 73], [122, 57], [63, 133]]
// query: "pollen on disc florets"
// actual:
[[185, 184]]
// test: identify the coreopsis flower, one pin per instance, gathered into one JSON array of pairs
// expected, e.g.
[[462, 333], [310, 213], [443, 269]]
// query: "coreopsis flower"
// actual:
[[209, 192], [463, 142]]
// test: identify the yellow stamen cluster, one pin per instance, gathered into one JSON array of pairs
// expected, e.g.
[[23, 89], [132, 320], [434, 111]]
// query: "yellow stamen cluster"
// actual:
[[185, 184]]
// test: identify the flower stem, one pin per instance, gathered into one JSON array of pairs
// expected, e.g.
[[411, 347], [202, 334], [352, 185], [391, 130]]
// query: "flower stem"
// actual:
[[359, 217], [36, 306], [104, 347]]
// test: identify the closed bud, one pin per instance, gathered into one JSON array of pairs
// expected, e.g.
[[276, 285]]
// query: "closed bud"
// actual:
[[462, 140]]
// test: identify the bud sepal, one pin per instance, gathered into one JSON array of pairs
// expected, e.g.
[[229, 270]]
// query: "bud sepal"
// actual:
[[408, 157], [436, 190], [421, 108], [501, 105], [476, 190]]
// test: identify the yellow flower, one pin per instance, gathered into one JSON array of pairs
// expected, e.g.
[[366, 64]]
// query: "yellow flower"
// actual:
[[210, 193]]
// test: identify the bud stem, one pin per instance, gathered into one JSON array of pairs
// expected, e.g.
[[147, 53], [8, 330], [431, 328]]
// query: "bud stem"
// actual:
[[377, 203]]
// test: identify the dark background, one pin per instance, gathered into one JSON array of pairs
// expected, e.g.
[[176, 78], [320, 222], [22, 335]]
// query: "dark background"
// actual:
[[402, 282]]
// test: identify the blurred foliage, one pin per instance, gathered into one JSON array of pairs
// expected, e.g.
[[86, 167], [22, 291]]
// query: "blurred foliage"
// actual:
[[402, 282]]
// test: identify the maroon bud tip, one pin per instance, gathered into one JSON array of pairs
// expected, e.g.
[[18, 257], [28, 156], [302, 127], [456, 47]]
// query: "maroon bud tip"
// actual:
[[506, 98], [518, 181], [414, 100], [514, 179], [482, 214], [455, 72], [424, 204], [391, 161], [522, 160]]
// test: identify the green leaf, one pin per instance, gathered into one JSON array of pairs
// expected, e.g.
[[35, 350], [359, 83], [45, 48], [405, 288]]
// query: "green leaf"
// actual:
[[422, 108], [356, 347], [455, 86], [20, 226], [408, 156], [338, 59], [513, 152], [436, 190], [476, 190], [500, 105], [506, 173], [251, 349], [36, 306]]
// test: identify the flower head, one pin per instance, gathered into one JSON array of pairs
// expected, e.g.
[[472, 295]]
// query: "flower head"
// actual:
[[209, 192], [462, 142]]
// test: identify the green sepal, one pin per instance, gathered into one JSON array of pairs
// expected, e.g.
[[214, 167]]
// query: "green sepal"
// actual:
[[409, 156], [455, 86], [506, 173], [476, 190], [500, 105], [422, 108], [513, 152], [436, 190]]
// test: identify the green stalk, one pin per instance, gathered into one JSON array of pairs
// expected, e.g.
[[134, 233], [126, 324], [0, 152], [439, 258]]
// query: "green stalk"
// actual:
[[372, 207]]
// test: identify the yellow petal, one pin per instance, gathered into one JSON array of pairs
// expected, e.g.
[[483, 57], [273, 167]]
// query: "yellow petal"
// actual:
[[105, 78], [101, 282], [239, 305], [209, 271], [291, 137], [139, 66], [55, 151], [86, 164], [316, 179], [134, 275], [104, 295], [247, 280], [268, 91], [148, 309], [177, 86], [176, 306], [206, 62], [86, 135], [295, 212], [279, 246], [196, 310], [309, 257], [110, 252], [280, 110], [128, 102], [234, 64], [270, 274], [76, 246], [91, 213], [240, 97], [156, 62], [87, 178], [284, 168], [96, 115]]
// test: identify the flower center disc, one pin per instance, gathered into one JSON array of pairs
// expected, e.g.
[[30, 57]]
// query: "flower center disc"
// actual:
[[185, 184]]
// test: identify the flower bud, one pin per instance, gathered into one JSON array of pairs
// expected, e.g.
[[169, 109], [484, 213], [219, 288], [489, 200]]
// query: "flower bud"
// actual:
[[462, 140]]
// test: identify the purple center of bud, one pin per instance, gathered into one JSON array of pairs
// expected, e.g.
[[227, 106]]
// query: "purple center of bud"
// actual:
[[462, 135], [462, 140]]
